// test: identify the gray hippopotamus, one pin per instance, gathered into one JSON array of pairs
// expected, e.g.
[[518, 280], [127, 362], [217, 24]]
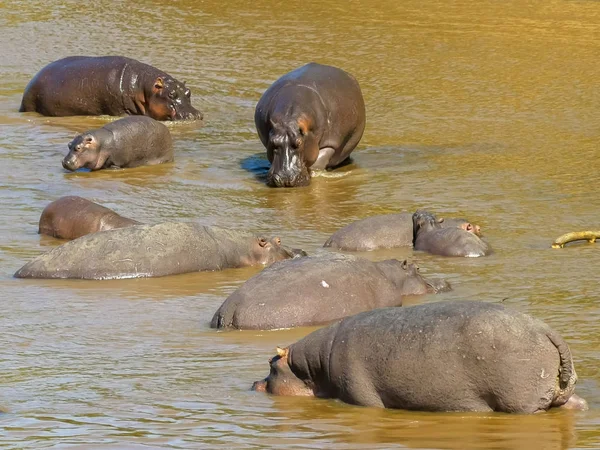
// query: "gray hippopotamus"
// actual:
[[310, 118], [432, 237], [386, 231], [444, 356], [71, 217], [154, 251], [112, 85], [319, 289], [128, 142]]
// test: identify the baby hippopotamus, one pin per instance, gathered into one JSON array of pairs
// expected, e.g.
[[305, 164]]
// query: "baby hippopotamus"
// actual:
[[128, 142], [386, 231], [318, 290], [432, 237], [71, 217], [157, 250], [444, 356]]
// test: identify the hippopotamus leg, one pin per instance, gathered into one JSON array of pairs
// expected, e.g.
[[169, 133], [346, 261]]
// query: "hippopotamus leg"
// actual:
[[323, 159]]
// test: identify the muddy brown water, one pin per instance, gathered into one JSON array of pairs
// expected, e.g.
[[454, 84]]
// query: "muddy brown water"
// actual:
[[481, 109]]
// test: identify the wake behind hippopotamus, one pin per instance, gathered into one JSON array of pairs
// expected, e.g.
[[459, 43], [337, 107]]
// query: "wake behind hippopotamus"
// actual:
[[71, 217], [444, 356], [112, 85], [125, 143], [319, 289], [154, 251], [310, 118], [386, 231]]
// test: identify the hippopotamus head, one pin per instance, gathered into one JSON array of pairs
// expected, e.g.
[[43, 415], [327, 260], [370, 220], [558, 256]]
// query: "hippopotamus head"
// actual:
[[406, 276], [169, 99], [461, 223], [268, 251], [281, 379], [424, 221], [292, 149], [85, 151]]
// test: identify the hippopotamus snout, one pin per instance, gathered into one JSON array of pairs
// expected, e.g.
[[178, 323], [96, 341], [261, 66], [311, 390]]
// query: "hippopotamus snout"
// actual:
[[298, 253], [287, 178], [260, 386], [70, 162]]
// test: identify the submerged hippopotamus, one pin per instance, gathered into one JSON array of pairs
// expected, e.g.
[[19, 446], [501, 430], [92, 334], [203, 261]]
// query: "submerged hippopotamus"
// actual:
[[124, 143], [112, 85], [71, 217], [445, 356], [317, 290], [432, 237], [154, 251], [310, 118], [386, 231]]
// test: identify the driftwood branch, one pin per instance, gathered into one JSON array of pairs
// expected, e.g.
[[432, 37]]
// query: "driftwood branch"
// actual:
[[589, 236]]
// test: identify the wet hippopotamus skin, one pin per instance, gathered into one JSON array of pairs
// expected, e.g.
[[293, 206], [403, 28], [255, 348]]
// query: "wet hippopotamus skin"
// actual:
[[385, 231], [443, 356], [111, 85], [125, 143], [310, 118], [320, 289], [71, 217], [154, 251], [432, 237]]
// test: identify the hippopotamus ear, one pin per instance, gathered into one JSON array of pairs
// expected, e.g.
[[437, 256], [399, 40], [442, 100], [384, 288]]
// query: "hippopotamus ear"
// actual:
[[404, 264], [159, 84], [283, 352], [440, 220]]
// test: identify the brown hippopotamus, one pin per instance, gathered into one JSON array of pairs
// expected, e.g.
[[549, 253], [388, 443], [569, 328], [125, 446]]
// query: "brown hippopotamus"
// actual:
[[444, 356], [112, 85], [128, 142], [71, 217], [431, 236], [310, 118], [154, 251], [385, 231], [319, 289]]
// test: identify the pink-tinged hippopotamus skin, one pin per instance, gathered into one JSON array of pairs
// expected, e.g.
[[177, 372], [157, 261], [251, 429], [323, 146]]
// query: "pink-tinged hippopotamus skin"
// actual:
[[320, 289], [125, 143], [71, 217], [386, 231], [310, 118], [107, 85], [432, 237], [443, 356], [157, 250]]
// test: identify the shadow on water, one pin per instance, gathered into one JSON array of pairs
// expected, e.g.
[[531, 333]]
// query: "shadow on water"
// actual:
[[258, 165]]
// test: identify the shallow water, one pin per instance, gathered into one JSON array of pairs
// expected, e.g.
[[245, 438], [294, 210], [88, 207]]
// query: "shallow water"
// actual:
[[477, 109]]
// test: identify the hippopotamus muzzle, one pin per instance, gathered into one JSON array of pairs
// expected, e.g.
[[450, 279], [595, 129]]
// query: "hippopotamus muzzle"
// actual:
[[298, 253], [259, 386], [70, 163]]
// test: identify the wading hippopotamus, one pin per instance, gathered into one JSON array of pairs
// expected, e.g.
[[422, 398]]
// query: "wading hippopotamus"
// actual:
[[124, 143], [112, 85], [386, 231], [310, 118], [155, 251], [317, 290], [432, 237], [71, 217], [444, 356]]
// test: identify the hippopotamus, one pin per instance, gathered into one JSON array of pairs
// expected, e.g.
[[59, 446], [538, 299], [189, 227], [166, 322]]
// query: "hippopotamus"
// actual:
[[386, 231], [320, 289], [111, 85], [431, 236], [168, 248], [310, 118], [128, 142], [71, 217], [443, 356]]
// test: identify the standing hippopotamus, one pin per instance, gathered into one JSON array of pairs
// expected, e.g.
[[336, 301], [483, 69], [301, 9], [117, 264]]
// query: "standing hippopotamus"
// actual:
[[128, 142], [71, 217], [112, 85], [385, 231], [317, 290], [154, 251], [431, 236], [446, 356], [310, 118]]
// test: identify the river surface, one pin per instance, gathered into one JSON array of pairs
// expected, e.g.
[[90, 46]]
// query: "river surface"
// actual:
[[475, 108]]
